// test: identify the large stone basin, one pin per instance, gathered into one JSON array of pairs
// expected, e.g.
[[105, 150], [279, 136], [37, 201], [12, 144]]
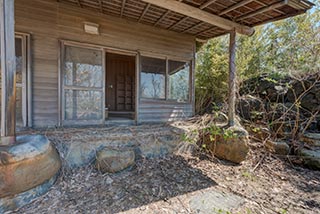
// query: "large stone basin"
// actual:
[[30, 162]]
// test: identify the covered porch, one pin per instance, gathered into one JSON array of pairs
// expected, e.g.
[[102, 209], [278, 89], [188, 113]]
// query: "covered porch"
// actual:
[[35, 52], [155, 37]]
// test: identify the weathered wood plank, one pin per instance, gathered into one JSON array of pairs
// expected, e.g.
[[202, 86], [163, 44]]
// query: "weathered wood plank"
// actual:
[[232, 79], [8, 72]]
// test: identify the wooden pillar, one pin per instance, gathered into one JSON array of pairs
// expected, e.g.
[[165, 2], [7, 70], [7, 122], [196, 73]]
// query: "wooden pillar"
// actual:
[[232, 79], [8, 72]]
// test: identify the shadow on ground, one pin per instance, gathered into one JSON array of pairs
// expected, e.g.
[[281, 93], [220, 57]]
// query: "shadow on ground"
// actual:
[[148, 181]]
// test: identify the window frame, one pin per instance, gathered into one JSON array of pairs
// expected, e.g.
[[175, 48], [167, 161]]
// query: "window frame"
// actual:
[[105, 49], [167, 58], [26, 82], [64, 87], [189, 82], [165, 80]]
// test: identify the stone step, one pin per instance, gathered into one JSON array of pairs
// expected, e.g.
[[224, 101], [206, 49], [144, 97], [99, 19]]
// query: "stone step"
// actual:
[[311, 139], [311, 158]]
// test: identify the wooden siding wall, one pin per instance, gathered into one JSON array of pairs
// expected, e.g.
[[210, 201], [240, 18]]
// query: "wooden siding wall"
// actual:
[[48, 21], [161, 111]]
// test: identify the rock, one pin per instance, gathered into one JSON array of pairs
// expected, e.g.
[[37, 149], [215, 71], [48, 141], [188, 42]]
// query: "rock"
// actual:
[[110, 160], [312, 139], [151, 146], [266, 86], [279, 94], [215, 202], [280, 148], [311, 158], [250, 108], [82, 153], [231, 144]]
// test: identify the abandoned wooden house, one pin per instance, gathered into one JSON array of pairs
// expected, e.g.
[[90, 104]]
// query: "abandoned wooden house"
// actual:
[[96, 62], [81, 62]]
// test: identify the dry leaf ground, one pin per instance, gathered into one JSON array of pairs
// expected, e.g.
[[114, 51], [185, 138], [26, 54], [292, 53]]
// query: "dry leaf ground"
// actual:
[[267, 183]]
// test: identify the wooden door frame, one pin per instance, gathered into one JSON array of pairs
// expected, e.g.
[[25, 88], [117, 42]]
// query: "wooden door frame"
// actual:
[[26, 78], [62, 121], [126, 57], [104, 49], [137, 72]]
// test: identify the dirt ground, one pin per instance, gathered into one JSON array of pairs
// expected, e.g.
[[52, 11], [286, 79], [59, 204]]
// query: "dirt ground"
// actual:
[[267, 183]]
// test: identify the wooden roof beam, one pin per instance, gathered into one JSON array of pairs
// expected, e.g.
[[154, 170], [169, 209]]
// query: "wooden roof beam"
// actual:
[[208, 3], [201, 15], [186, 17], [179, 22], [79, 3], [192, 27], [162, 17], [206, 30], [144, 12], [101, 7], [123, 4], [262, 10], [296, 5], [264, 4], [235, 6]]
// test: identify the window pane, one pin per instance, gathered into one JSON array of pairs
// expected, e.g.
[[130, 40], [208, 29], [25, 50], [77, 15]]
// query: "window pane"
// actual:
[[179, 74], [83, 67], [19, 106], [83, 105], [153, 78], [19, 62]]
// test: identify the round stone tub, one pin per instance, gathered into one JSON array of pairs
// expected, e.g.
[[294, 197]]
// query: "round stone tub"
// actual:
[[28, 169]]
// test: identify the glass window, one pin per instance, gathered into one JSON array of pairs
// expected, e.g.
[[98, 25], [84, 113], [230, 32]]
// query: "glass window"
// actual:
[[19, 83], [83, 84], [83, 67], [153, 78], [179, 79], [83, 105]]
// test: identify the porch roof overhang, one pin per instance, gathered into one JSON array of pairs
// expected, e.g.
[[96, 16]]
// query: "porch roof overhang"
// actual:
[[203, 19]]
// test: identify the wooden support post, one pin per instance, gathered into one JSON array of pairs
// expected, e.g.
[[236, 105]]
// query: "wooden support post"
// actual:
[[8, 72], [232, 79]]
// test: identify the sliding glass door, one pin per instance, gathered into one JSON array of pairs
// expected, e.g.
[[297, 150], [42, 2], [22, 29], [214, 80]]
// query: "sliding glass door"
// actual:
[[83, 86]]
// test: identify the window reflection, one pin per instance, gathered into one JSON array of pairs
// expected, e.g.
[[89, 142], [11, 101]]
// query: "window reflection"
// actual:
[[19, 84], [179, 78], [83, 68], [83, 105], [153, 78]]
